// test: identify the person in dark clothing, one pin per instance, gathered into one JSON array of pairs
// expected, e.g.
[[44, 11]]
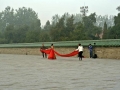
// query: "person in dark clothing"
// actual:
[[43, 48], [90, 47]]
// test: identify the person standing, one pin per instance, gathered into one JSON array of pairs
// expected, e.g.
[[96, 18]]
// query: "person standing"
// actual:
[[80, 50], [90, 47], [52, 53], [43, 48]]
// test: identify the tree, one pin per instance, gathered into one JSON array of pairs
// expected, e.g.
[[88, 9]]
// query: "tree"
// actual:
[[6, 18], [56, 31], [118, 8], [9, 33], [115, 30], [25, 16], [78, 32], [44, 36], [90, 30], [55, 19], [47, 25], [15, 24], [105, 31], [100, 20], [33, 36]]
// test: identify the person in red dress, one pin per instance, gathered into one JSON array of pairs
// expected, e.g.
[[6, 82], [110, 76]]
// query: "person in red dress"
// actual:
[[52, 53]]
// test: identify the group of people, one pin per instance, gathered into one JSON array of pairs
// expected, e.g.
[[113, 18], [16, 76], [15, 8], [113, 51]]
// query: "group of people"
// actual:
[[52, 54], [50, 50], [80, 49]]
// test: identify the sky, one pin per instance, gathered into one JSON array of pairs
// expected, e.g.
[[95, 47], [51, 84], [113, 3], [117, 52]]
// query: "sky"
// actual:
[[48, 8]]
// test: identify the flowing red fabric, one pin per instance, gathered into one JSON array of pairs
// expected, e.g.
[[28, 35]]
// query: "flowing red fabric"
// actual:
[[47, 51], [67, 55], [52, 53]]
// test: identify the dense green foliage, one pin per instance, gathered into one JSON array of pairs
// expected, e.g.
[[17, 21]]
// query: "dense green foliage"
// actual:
[[114, 32], [105, 31], [23, 26]]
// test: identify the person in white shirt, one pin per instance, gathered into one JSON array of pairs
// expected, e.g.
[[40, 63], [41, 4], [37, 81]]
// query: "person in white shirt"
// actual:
[[80, 49]]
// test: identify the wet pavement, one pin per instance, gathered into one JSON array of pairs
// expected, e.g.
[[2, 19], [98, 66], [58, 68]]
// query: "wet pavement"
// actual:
[[32, 72]]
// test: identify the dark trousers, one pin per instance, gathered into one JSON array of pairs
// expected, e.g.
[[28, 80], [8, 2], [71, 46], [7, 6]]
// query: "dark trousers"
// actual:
[[44, 55], [80, 55], [91, 54]]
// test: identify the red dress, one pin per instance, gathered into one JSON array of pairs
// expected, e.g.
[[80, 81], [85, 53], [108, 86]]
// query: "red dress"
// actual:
[[52, 54]]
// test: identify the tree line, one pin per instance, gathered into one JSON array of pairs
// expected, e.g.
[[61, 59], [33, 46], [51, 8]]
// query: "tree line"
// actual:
[[23, 26]]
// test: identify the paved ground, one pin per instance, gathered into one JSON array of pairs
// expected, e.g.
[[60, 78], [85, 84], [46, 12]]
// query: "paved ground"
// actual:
[[28, 72]]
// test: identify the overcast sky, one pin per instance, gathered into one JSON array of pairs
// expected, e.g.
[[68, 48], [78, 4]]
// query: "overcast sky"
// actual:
[[48, 8]]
